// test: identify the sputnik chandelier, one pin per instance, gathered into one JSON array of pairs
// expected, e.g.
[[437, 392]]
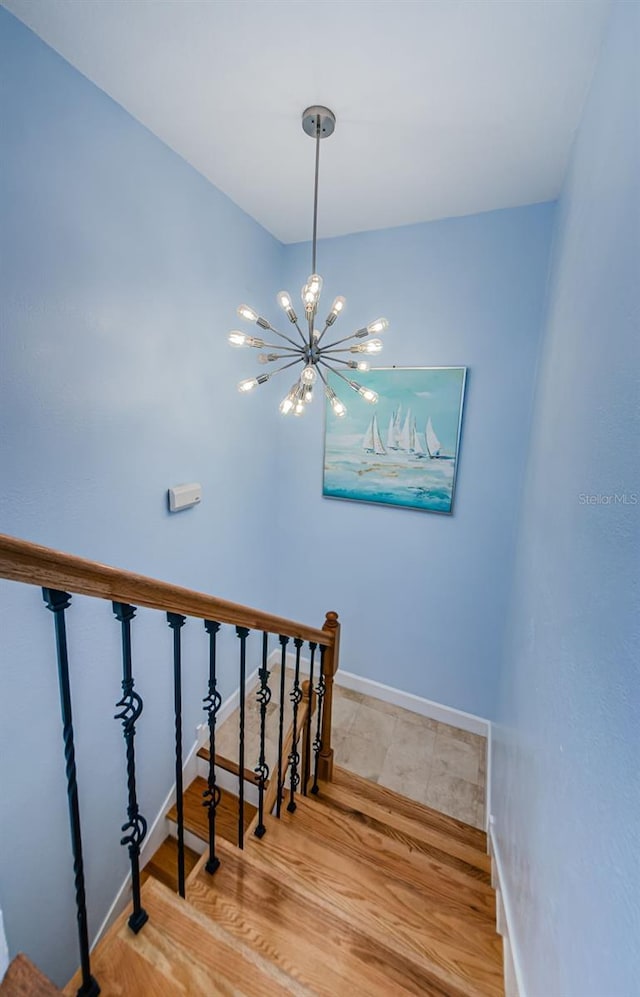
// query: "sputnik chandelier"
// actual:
[[317, 359]]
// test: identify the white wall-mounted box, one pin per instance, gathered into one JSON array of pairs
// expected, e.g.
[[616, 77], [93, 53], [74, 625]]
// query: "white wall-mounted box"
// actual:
[[184, 496]]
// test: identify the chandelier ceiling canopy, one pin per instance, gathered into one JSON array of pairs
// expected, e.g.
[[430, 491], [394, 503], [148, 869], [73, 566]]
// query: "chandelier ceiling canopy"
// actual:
[[317, 358]]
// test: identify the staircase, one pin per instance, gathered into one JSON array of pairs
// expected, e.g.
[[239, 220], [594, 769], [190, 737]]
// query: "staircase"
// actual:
[[360, 891], [351, 889]]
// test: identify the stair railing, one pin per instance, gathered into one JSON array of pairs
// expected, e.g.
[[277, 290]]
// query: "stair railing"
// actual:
[[60, 576]]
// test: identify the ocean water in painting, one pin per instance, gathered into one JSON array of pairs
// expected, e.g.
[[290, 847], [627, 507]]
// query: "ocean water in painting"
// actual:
[[402, 451]]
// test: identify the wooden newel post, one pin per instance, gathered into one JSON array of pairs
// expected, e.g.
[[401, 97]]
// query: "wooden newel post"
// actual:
[[331, 660]]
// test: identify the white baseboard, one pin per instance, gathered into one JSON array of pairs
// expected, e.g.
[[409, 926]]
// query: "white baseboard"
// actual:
[[4, 950], [276, 656], [513, 985], [487, 788], [406, 700], [416, 704], [159, 829]]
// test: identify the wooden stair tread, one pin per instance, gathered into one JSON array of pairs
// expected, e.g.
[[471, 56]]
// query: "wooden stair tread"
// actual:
[[163, 865], [229, 765], [288, 927], [196, 817], [180, 952], [389, 799], [318, 857], [23, 979], [437, 880], [463, 952], [414, 833]]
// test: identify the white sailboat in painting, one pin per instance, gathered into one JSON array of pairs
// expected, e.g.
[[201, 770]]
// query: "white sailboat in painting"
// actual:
[[372, 442], [404, 439], [416, 441], [394, 431], [403, 435], [434, 446]]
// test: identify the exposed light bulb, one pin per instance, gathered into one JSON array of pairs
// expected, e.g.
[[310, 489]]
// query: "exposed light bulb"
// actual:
[[299, 407], [339, 408], [286, 405], [379, 325], [368, 395], [284, 300], [311, 293], [336, 308], [239, 339], [309, 374], [308, 395], [315, 284], [371, 346], [247, 313], [309, 299], [268, 357], [248, 384], [363, 365]]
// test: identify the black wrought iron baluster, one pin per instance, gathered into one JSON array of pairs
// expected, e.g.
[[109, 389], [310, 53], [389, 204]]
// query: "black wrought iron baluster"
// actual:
[[263, 696], [283, 660], [130, 706], [212, 703], [317, 743], [294, 755], [307, 727], [57, 602], [242, 633], [176, 622]]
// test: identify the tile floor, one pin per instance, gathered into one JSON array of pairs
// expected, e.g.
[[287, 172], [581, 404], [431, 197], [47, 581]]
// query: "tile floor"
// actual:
[[428, 761]]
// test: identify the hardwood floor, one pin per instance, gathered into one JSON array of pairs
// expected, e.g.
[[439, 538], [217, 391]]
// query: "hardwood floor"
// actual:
[[23, 979], [179, 952], [164, 864], [195, 814], [359, 892]]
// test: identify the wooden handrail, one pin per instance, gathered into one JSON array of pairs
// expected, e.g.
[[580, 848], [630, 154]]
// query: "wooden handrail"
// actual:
[[22, 561]]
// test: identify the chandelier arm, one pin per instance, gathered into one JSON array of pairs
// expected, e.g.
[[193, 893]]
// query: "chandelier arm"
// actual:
[[335, 360], [323, 378], [276, 356], [282, 336], [328, 352], [345, 339], [278, 346], [286, 365], [339, 374], [300, 332], [322, 333]]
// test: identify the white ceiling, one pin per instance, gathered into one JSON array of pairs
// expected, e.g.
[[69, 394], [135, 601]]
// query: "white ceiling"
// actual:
[[444, 107]]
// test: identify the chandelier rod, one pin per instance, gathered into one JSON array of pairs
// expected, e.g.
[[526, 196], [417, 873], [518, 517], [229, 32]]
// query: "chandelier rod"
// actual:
[[315, 195]]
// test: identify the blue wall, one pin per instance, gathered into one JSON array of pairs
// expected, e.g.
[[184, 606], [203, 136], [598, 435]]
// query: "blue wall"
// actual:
[[566, 768], [121, 271], [423, 596]]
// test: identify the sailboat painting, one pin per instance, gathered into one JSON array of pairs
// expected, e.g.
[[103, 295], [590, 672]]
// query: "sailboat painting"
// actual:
[[404, 450]]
